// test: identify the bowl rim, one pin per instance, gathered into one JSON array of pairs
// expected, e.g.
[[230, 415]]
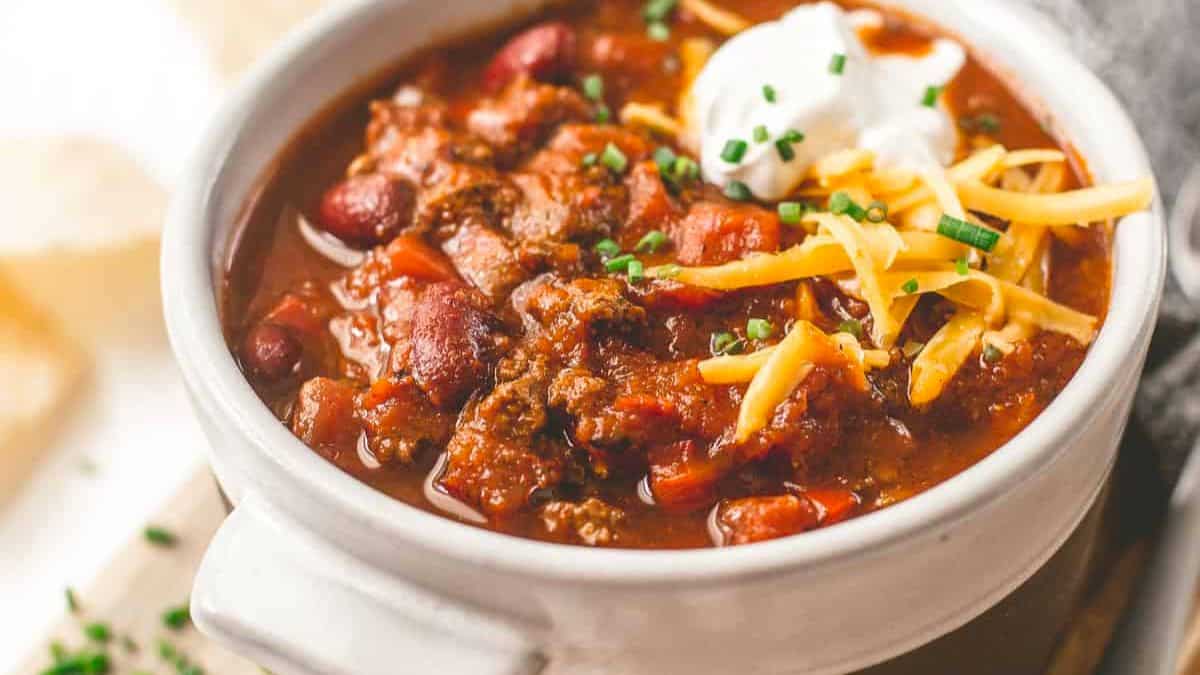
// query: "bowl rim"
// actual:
[[219, 387]]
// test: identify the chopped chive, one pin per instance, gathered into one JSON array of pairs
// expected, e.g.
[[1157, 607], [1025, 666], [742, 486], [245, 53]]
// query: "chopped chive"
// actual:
[[635, 271], [791, 212], [851, 326], [658, 31], [668, 271], [614, 159], [991, 354], [760, 134], [961, 267], [167, 651], [968, 233], [769, 93], [607, 248], [619, 263], [911, 286], [658, 10], [725, 343], [734, 150], [97, 632], [841, 204], [72, 602], [651, 242], [912, 348], [176, 617], [759, 329], [159, 536], [932, 94], [685, 168], [173, 656], [738, 191], [837, 65], [589, 160], [793, 136], [665, 158], [877, 212], [97, 664], [603, 114], [593, 87], [785, 150], [84, 663], [57, 651]]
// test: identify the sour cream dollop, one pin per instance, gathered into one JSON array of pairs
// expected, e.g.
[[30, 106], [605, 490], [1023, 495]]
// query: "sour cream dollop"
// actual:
[[875, 103]]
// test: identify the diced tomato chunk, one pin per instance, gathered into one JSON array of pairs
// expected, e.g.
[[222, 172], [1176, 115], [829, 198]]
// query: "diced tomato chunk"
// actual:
[[833, 506], [650, 205], [745, 521], [666, 294], [645, 405], [409, 256], [686, 480], [714, 233], [297, 313]]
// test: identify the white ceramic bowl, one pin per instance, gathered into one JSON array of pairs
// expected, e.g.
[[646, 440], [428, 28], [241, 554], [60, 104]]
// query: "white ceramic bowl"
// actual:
[[315, 572]]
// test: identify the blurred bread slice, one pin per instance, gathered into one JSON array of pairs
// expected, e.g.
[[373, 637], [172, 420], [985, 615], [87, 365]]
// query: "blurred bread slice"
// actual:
[[81, 240], [78, 284], [74, 194], [42, 368]]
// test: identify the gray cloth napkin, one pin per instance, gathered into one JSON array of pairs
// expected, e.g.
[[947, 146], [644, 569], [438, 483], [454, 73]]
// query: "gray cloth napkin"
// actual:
[[1146, 51]]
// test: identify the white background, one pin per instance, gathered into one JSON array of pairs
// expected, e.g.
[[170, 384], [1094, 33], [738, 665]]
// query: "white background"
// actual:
[[128, 71]]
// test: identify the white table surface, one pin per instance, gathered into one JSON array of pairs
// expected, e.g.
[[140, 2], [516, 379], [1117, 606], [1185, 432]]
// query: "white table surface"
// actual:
[[130, 72]]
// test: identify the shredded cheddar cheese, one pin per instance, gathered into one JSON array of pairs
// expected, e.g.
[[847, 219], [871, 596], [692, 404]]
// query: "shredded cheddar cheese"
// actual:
[[1088, 205], [891, 262], [943, 355], [783, 369], [720, 20], [651, 117]]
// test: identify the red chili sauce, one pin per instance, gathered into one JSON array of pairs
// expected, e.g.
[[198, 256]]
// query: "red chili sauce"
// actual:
[[476, 359]]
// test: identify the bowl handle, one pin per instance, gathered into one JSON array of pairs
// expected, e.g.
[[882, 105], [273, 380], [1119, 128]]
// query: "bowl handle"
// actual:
[[275, 593]]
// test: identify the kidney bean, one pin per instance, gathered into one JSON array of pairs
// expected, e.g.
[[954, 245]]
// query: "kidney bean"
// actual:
[[367, 209], [270, 352], [455, 340], [545, 52]]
